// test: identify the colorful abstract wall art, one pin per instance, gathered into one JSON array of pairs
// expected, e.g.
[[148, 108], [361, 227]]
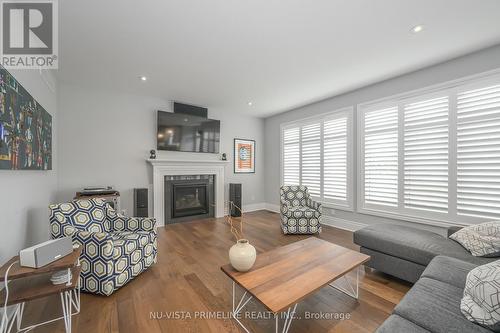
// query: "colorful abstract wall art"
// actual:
[[25, 128], [244, 156]]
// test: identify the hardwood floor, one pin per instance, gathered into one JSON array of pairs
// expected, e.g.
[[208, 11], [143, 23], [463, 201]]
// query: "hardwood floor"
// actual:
[[188, 279]]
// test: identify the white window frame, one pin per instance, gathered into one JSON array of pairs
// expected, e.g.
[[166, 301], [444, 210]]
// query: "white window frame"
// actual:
[[414, 215], [349, 111]]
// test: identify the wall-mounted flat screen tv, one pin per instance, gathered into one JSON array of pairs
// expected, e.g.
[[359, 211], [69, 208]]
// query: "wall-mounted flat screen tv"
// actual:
[[182, 132]]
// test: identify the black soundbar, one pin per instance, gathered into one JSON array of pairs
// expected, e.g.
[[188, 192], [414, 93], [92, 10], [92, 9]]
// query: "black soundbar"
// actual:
[[190, 109]]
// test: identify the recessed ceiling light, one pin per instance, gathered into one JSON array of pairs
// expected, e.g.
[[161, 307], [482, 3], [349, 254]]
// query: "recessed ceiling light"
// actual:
[[250, 103], [143, 78], [417, 28]]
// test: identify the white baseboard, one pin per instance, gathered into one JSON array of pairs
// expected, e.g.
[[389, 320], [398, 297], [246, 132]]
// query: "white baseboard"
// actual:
[[342, 224], [250, 207], [327, 220], [272, 207], [254, 207]]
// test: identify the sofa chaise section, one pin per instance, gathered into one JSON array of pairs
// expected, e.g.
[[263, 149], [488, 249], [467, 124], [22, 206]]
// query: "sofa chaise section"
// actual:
[[404, 252]]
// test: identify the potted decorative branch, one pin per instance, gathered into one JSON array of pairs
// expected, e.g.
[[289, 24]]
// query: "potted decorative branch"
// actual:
[[242, 255]]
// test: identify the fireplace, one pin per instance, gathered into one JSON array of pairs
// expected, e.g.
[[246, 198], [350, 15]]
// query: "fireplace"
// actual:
[[185, 167], [188, 198]]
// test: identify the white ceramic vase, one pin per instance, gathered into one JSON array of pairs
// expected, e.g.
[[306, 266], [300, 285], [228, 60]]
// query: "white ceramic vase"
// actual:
[[242, 255]]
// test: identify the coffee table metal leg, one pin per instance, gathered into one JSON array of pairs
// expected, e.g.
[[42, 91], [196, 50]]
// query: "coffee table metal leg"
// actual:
[[288, 319], [236, 310], [352, 291], [290, 313]]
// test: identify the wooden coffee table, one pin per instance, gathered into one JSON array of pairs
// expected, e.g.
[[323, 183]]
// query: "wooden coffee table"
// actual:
[[282, 277]]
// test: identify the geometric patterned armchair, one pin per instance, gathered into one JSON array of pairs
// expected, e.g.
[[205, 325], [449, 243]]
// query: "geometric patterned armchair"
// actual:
[[299, 213], [115, 248]]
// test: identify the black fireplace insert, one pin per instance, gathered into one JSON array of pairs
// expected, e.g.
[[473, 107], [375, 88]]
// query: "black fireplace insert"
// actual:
[[188, 198]]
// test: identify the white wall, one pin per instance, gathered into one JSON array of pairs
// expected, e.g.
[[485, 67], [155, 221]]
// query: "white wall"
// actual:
[[25, 195], [106, 136], [478, 62]]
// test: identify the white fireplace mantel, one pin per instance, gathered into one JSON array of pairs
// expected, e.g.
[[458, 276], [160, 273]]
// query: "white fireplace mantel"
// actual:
[[171, 167]]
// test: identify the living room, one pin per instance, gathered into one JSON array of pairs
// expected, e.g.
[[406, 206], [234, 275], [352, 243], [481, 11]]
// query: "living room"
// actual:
[[250, 166]]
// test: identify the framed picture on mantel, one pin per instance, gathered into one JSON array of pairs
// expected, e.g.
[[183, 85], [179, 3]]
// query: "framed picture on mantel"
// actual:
[[244, 156]]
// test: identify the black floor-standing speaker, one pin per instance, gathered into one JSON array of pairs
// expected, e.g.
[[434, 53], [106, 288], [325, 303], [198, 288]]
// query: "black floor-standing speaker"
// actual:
[[140, 202], [235, 197]]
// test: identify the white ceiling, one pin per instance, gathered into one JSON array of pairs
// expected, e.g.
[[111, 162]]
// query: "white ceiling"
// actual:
[[277, 54]]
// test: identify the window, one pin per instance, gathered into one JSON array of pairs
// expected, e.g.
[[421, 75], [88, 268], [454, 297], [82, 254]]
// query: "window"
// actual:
[[381, 157], [317, 153], [478, 155], [291, 155], [432, 156], [426, 154], [310, 165], [335, 159]]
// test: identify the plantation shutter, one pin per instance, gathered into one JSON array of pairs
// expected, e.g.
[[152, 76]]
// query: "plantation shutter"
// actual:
[[335, 159], [311, 158], [381, 157], [316, 153], [426, 154], [291, 156], [478, 152]]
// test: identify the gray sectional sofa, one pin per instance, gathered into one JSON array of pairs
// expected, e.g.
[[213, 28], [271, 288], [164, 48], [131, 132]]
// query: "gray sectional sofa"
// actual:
[[439, 268], [405, 252], [433, 303]]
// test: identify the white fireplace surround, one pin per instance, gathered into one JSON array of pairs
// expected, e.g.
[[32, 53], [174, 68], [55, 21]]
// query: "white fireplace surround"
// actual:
[[168, 167]]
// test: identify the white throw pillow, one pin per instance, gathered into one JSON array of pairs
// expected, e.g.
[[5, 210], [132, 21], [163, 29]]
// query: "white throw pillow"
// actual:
[[482, 240], [481, 301]]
